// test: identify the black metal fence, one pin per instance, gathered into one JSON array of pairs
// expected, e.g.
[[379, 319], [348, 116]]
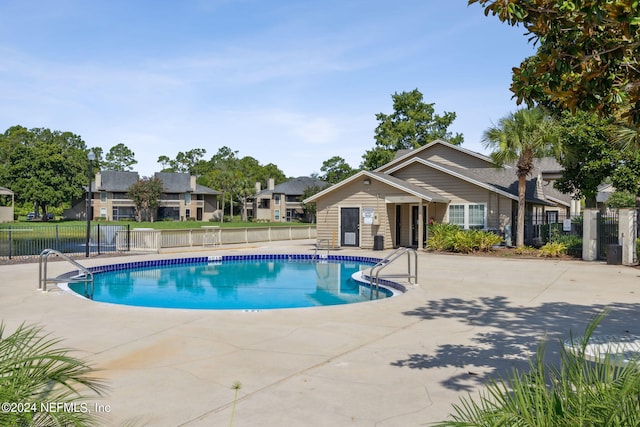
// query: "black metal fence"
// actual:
[[608, 225], [554, 227], [23, 241]]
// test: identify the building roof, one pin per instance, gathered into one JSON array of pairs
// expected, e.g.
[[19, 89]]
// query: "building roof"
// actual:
[[172, 182], [502, 181], [116, 181], [295, 186], [403, 155], [398, 183]]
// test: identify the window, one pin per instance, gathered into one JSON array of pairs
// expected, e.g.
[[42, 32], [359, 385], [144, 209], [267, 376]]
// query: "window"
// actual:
[[264, 204], [103, 197], [276, 198], [456, 215], [276, 215], [468, 215], [476, 216], [187, 198]]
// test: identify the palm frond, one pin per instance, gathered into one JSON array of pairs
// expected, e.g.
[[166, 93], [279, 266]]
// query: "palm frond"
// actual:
[[34, 369]]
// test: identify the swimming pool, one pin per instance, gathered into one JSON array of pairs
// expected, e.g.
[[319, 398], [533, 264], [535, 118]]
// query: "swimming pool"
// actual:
[[236, 282]]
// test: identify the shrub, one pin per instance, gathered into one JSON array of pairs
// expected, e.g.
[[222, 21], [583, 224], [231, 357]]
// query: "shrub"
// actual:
[[552, 249], [526, 250], [441, 236], [465, 241], [572, 242], [487, 240], [449, 237]]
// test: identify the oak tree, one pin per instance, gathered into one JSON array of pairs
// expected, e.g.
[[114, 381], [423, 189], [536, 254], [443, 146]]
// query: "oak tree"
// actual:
[[412, 124]]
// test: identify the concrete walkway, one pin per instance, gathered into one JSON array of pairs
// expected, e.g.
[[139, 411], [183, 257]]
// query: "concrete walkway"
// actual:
[[396, 362]]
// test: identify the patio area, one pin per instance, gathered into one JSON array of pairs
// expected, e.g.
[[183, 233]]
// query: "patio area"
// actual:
[[395, 362]]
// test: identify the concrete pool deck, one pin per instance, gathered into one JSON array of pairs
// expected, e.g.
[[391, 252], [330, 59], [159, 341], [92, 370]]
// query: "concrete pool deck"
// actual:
[[396, 362]]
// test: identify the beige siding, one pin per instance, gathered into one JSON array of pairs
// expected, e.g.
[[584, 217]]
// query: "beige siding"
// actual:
[[450, 156], [455, 189], [458, 191], [447, 155], [357, 195]]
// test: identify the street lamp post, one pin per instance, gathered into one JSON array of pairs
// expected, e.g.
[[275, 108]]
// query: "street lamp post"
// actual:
[[91, 156]]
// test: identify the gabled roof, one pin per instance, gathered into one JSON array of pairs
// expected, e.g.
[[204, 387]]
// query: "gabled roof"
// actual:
[[117, 181], [468, 175], [172, 182], [390, 180], [403, 155], [201, 189], [502, 181], [499, 180], [294, 187], [176, 182], [297, 186]]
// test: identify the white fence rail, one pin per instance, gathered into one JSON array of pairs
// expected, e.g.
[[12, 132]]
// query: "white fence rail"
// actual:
[[151, 240]]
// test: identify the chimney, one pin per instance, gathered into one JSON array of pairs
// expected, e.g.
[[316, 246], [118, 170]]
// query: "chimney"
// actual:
[[192, 182], [98, 180], [271, 184], [258, 187]]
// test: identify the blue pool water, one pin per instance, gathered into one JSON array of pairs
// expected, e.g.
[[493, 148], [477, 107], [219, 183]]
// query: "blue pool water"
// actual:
[[233, 282]]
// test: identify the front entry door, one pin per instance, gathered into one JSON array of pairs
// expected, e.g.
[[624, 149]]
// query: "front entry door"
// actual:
[[350, 227], [414, 225]]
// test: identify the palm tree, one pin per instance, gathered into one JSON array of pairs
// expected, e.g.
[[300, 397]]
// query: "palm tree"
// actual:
[[520, 138], [35, 374]]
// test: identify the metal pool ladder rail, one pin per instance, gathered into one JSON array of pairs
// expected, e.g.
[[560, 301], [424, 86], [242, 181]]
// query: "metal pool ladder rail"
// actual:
[[87, 278], [375, 276], [322, 244]]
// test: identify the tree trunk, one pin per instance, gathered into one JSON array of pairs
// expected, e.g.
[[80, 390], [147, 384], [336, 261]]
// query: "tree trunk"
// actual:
[[222, 216], [243, 200], [522, 188]]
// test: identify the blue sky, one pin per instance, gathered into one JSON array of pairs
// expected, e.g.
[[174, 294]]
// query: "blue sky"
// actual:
[[289, 82]]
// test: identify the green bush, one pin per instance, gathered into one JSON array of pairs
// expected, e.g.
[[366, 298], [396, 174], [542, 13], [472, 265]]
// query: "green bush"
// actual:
[[487, 240], [526, 250], [572, 242], [552, 250], [464, 241], [576, 393], [441, 237], [451, 238]]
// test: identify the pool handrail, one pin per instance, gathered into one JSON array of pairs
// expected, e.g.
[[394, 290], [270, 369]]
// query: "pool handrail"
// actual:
[[319, 247], [374, 272], [87, 278]]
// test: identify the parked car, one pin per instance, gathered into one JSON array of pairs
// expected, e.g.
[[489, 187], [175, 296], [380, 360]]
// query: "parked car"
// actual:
[[31, 216]]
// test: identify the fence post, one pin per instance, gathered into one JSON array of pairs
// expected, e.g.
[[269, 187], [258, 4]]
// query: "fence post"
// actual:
[[627, 232], [590, 235]]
